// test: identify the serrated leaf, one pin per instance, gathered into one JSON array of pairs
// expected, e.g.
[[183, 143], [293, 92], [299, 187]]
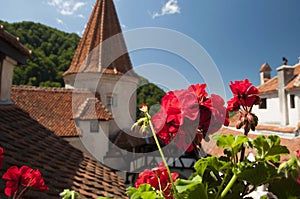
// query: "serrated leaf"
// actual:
[[269, 148], [212, 162], [224, 141], [257, 174]]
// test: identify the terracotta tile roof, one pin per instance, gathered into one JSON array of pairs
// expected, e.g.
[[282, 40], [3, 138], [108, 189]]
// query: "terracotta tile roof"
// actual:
[[270, 86], [90, 56], [52, 107], [13, 41], [93, 109], [27, 142], [211, 148]]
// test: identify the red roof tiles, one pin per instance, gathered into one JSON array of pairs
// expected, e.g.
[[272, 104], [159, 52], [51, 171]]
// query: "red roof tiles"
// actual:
[[27, 142], [52, 107], [95, 55], [270, 86], [93, 109]]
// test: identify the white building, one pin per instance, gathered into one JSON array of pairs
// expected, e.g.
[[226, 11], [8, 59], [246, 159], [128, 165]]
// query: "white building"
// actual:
[[280, 96]]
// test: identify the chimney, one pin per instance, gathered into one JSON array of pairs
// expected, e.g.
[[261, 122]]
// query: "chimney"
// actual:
[[11, 54], [285, 75], [265, 73]]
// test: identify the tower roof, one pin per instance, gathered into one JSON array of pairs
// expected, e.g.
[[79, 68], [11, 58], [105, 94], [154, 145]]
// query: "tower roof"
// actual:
[[102, 44], [265, 67]]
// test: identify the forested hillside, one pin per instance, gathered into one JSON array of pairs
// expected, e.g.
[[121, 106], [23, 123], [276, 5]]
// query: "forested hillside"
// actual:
[[52, 52]]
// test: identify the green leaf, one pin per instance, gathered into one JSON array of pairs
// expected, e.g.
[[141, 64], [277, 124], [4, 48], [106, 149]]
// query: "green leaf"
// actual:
[[258, 174], [224, 141], [148, 195], [269, 148], [285, 188], [210, 162], [191, 188], [131, 190]]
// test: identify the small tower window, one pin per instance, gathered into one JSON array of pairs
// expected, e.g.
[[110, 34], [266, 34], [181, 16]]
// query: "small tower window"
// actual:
[[111, 100], [94, 126], [263, 104], [292, 101]]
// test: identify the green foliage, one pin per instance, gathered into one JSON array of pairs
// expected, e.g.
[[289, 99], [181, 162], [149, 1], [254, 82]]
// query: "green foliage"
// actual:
[[148, 94], [52, 52], [145, 191], [220, 178], [269, 149]]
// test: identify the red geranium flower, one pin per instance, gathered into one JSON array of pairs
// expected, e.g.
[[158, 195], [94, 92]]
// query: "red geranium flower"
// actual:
[[298, 153], [12, 175], [25, 176], [245, 94], [157, 178], [184, 112], [1, 157]]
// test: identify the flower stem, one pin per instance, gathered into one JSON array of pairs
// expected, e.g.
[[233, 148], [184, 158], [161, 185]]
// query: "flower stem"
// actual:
[[229, 185], [161, 154]]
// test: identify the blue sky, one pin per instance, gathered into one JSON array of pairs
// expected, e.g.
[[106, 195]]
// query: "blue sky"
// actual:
[[238, 35]]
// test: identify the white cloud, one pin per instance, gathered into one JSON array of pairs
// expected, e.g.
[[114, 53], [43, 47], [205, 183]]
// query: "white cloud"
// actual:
[[170, 8], [81, 16], [59, 21], [66, 7]]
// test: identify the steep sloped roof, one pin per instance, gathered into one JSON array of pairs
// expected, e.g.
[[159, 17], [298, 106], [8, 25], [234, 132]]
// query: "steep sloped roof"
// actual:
[[27, 142], [265, 67], [92, 55], [270, 86], [54, 107]]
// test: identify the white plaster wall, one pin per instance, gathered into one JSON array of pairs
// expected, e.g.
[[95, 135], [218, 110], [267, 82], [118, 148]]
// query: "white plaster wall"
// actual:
[[272, 114], [95, 143], [293, 112], [123, 89]]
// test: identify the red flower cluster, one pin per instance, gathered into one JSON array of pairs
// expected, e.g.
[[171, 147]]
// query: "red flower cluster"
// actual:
[[1, 157], [159, 179], [25, 176], [244, 94], [298, 153], [190, 114]]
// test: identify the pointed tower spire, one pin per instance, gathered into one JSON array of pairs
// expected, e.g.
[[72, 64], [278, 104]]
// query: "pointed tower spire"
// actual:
[[102, 44]]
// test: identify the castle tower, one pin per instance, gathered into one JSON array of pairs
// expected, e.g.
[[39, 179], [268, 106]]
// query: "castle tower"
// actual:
[[101, 64]]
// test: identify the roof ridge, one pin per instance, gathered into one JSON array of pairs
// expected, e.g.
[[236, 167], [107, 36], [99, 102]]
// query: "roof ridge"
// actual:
[[38, 88], [91, 55]]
